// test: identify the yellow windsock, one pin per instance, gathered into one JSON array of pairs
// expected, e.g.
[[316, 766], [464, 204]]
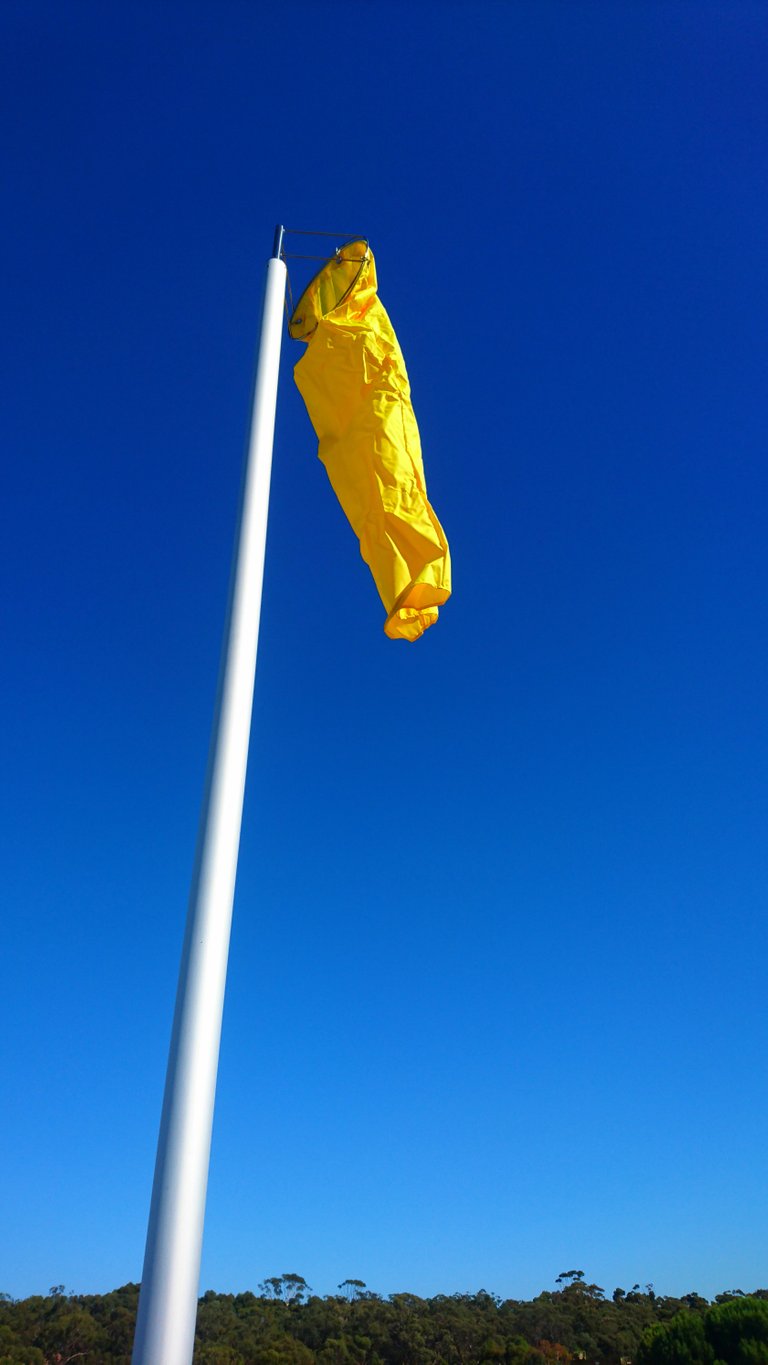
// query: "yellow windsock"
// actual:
[[353, 380]]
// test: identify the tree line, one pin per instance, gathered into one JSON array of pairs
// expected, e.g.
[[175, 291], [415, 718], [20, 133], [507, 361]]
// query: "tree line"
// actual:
[[286, 1324]]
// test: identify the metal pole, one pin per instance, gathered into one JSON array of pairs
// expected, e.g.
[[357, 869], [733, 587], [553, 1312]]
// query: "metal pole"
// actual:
[[165, 1328]]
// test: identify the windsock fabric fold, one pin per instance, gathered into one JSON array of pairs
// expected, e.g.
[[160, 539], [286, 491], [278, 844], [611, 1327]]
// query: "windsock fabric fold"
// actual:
[[353, 380]]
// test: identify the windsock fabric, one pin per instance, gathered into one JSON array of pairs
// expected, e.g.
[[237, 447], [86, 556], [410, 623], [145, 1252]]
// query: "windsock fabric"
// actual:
[[353, 380]]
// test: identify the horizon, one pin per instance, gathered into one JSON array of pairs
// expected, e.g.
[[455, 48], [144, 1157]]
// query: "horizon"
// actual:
[[496, 993], [363, 1291]]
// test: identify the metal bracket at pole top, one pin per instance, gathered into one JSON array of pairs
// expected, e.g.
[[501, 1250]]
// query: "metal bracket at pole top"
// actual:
[[281, 232]]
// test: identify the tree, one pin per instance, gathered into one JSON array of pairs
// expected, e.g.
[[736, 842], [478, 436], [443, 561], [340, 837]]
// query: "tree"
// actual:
[[738, 1331], [287, 1288], [682, 1341], [211, 1354], [553, 1351], [352, 1288]]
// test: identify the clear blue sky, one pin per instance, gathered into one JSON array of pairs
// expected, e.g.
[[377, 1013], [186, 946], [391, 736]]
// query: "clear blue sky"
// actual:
[[496, 1004]]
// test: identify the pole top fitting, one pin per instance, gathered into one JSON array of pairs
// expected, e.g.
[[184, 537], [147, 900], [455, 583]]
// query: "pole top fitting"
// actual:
[[277, 249]]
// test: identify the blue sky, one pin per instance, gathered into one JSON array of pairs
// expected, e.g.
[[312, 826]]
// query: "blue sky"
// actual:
[[496, 1003]]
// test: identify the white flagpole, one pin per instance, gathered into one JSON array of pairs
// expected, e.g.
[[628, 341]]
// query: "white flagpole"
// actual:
[[165, 1328]]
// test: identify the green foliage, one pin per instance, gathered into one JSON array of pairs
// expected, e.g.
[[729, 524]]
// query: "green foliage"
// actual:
[[734, 1331], [352, 1288], [217, 1355], [287, 1288], [738, 1331], [680, 1342], [286, 1324]]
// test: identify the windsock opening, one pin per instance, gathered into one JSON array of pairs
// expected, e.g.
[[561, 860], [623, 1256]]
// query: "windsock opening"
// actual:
[[329, 287]]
